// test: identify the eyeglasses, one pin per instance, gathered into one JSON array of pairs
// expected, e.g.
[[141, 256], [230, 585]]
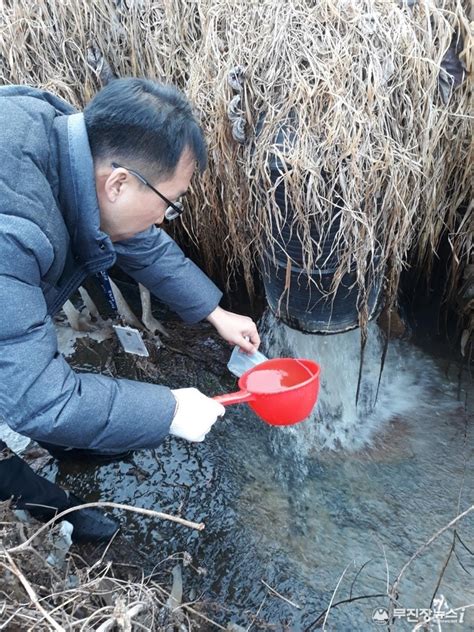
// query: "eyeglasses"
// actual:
[[174, 210]]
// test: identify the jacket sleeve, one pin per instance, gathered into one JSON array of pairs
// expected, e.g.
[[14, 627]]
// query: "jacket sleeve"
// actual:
[[40, 395], [156, 261]]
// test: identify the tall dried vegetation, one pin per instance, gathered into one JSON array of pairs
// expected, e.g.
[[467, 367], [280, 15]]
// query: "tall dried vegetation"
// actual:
[[341, 95]]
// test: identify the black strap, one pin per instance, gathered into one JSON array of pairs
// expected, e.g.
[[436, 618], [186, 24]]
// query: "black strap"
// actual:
[[104, 281]]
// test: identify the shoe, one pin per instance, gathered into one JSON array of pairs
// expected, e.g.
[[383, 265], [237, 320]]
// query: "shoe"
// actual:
[[44, 500], [90, 524]]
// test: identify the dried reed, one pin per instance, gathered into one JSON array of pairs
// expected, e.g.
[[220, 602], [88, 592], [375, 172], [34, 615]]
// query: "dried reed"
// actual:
[[349, 89], [100, 595]]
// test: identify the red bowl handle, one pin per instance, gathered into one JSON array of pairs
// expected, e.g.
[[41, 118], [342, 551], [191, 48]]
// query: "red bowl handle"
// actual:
[[234, 398]]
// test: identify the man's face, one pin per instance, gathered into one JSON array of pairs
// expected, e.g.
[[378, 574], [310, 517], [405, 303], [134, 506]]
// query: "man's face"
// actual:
[[127, 206]]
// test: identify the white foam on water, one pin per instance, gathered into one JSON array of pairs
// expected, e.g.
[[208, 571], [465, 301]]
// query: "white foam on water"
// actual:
[[337, 422]]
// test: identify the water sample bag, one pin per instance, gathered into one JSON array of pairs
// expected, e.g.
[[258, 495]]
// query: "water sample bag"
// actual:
[[240, 361]]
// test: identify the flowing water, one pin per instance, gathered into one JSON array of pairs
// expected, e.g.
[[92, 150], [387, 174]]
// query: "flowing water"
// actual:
[[325, 511]]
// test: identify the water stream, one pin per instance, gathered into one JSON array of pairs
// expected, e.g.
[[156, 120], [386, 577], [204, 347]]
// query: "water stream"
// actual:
[[341, 500]]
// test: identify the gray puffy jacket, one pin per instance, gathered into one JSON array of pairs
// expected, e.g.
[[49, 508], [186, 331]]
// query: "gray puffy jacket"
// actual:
[[50, 241]]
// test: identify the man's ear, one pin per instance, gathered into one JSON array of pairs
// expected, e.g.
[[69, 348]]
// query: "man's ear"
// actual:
[[113, 186]]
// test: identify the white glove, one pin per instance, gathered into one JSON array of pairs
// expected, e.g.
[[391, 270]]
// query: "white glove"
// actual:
[[195, 414]]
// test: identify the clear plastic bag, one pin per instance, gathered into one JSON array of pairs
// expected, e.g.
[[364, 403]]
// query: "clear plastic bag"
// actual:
[[240, 361]]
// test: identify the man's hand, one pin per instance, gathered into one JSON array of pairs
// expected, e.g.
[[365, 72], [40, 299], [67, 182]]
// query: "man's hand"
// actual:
[[236, 329], [195, 414]]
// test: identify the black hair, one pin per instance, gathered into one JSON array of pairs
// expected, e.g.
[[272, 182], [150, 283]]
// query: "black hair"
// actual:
[[143, 124]]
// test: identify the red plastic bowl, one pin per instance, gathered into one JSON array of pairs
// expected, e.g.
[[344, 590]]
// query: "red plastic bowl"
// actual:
[[282, 391]]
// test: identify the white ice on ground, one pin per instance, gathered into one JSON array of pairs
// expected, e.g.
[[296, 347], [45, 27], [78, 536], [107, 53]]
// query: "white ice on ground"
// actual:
[[14, 441], [67, 337]]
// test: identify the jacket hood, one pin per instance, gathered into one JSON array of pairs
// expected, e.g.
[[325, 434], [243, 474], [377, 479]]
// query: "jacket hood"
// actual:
[[61, 106]]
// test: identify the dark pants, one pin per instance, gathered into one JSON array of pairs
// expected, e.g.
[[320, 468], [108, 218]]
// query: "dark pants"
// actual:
[[27, 489], [82, 454], [19, 482]]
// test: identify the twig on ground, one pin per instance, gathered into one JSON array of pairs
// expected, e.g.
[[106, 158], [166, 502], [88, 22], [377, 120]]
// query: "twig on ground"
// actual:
[[190, 609], [292, 603], [334, 594], [357, 575], [458, 509], [30, 591], [394, 590], [256, 615], [145, 512], [122, 617], [315, 623]]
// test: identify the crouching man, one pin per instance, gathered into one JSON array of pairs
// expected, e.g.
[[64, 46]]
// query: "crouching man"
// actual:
[[80, 192]]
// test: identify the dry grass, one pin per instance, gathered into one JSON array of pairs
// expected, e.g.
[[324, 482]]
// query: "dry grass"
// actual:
[[354, 84], [98, 595]]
